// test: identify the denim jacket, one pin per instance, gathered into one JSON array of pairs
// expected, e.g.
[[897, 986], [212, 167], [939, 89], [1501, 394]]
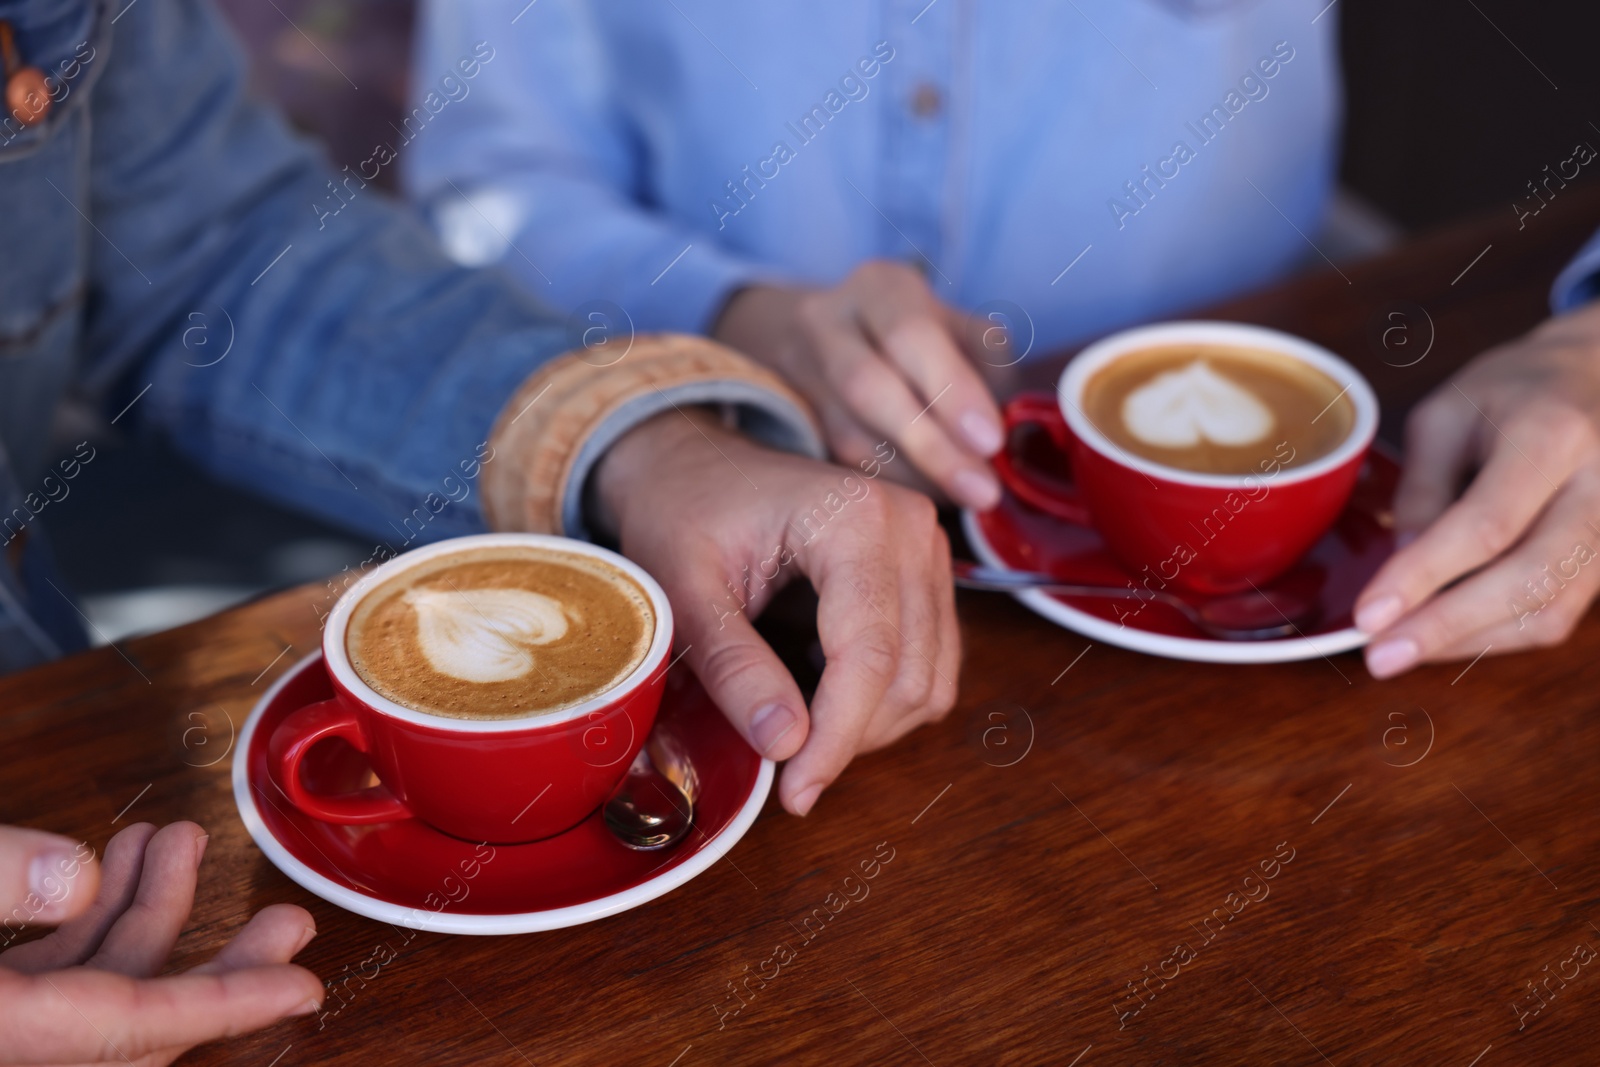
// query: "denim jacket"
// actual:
[[171, 253]]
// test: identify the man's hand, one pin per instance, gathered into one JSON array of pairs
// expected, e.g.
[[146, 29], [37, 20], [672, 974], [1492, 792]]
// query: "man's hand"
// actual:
[[723, 524], [1522, 543], [85, 993], [881, 359]]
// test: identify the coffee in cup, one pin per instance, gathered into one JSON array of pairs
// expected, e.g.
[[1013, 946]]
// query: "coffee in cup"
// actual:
[[1217, 409], [500, 633], [500, 685], [1209, 456]]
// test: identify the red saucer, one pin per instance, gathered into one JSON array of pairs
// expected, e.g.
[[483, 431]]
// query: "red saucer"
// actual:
[[410, 874], [1015, 536]]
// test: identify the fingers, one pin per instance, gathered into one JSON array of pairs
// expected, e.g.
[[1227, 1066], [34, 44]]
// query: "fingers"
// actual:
[[914, 681], [857, 612], [1532, 597], [985, 339], [881, 347], [994, 353], [944, 590], [44, 878], [743, 676], [78, 938], [910, 325], [886, 621], [275, 934], [1536, 454], [140, 940], [941, 591], [886, 353], [873, 552], [926, 686], [850, 444], [876, 394], [88, 1015], [1440, 436]]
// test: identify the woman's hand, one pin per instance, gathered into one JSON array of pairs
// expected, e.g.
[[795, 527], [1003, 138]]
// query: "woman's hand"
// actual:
[[1520, 544], [723, 524], [881, 359], [86, 993]]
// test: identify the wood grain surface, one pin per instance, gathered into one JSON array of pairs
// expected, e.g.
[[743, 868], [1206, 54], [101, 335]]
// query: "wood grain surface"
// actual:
[[1397, 861]]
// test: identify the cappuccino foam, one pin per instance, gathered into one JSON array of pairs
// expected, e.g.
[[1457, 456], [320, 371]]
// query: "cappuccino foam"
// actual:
[[1218, 409], [1182, 408], [500, 633]]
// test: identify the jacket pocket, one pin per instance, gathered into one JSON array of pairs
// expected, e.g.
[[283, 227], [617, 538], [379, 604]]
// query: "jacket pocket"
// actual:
[[44, 204]]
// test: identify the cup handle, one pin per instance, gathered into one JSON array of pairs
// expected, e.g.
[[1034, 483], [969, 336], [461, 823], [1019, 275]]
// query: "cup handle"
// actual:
[[298, 735], [1053, 498]]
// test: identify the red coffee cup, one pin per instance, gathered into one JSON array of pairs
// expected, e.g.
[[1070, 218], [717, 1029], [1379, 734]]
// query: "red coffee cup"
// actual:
[[493, 780], [1207, 533]]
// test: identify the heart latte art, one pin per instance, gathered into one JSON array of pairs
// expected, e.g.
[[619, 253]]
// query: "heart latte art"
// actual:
[[499, 633], [1182, 408], [1218, 409], [487, 635]]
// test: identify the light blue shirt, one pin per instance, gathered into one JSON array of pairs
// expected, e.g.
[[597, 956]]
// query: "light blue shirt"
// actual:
[[1091, 162], [1077, 165]]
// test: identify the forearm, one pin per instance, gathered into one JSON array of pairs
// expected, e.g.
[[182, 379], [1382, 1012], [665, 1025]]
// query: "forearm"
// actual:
[[364, 381], [578, 241], [348, 367], [539, 170]]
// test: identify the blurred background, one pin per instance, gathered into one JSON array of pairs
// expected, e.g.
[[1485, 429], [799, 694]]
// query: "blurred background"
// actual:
[[1446, 118]]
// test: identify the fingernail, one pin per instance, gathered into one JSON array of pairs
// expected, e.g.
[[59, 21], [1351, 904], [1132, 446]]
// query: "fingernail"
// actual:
[[310, 1007], [771, 724], [305, 939], [200, 847], [48, 882], [975, 490], [982, 433], [1391, 657], [1378, 615], [804, 799]]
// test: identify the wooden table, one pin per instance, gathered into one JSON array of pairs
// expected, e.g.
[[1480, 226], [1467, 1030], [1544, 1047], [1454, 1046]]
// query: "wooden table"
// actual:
[[1433, 840]]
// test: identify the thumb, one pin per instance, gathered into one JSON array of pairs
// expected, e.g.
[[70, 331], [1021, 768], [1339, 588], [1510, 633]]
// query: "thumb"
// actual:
[[743, 675], [44, 878]]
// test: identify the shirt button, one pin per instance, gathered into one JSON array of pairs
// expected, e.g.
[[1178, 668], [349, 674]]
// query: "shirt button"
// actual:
[[28, 96], [926, 100], [27, 91]]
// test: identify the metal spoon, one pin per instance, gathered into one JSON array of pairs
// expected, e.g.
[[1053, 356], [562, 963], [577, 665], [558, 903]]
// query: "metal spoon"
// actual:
[[652, 809], [1258, 615]]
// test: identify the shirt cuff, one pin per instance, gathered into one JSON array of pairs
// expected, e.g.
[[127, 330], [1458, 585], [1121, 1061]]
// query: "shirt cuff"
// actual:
[[1580, 281], [565, 415]]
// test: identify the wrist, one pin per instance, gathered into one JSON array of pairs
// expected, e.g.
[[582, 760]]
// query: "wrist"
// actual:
[[639, 458], [754, 316], [733, 310]]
